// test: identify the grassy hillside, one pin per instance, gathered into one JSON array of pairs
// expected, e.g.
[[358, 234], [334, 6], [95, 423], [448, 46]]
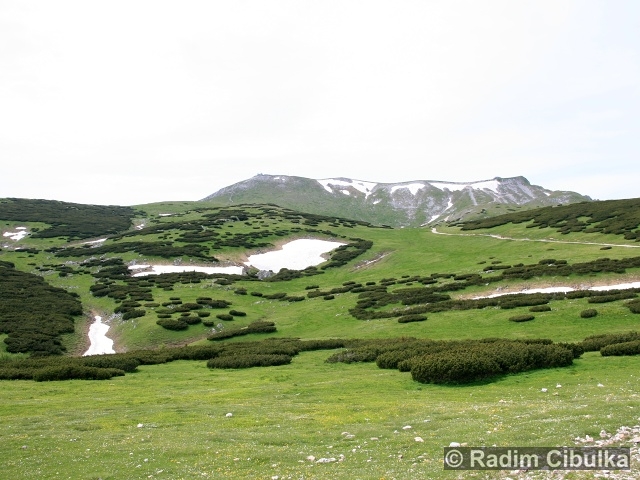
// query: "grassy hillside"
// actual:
[[170, 420]]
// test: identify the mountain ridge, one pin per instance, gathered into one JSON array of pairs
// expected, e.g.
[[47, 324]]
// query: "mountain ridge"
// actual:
[[399, 204]]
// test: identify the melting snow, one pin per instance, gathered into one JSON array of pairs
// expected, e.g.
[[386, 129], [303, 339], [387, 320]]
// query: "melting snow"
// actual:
[[364, 187], [488, 185], [158, 269], [19, 235], [413, 187], [295, 255], [100, 343], [621, 286], [94, 241]]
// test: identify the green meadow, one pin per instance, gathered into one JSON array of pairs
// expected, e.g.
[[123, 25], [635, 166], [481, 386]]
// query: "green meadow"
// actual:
[[312, 419]]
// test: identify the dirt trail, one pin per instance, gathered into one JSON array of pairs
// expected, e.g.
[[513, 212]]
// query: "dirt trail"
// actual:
[[500, 237]]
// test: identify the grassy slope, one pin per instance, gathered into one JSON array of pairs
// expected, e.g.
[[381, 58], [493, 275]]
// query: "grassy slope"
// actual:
[[281, 415]]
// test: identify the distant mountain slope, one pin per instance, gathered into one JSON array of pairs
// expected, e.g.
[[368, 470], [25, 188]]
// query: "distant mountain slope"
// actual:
[[411, 203]]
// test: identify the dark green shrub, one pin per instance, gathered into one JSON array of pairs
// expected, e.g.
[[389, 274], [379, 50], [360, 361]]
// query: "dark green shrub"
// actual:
[[237, 313], [412, 318], [611, 297], [329, 297], [472, 362], [248, 361], [187, 307], [326, 344], [120, 362], [617, 349], [172, 324], [588, 313], [540, 308], [133, 314], [219, 304], [77, 372], [633, 306], [191, 320], [576, 348], [596, 342], [521, 318], [225, 316], [294, 298]]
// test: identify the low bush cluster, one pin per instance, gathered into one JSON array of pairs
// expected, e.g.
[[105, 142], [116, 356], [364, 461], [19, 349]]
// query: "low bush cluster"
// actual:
[[588, 313], [624, 348], [71, 220], [249, 360], [470, 363], [172, 324], [34, 314], [595, 343], [521, 318], [412, 318], [466, 361]]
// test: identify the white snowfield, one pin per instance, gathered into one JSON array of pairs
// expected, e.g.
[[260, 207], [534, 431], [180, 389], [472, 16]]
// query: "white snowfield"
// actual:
[[414, 187], [158, 269], [483, 185], [295, 255], [19, 234], [100, 343], [364, 187]]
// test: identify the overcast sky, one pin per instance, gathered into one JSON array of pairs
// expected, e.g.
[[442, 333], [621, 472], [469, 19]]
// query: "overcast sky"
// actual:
[[136, 101]]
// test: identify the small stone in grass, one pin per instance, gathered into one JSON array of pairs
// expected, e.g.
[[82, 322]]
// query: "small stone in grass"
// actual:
[[229, 415]]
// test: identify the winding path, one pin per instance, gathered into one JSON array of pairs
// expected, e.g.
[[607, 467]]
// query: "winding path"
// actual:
[[500, 237]]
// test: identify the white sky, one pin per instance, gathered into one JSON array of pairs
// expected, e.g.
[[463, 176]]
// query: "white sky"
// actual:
[[136, 101]]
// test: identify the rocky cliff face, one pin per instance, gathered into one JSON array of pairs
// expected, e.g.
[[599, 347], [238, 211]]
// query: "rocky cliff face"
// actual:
[[412, 203]]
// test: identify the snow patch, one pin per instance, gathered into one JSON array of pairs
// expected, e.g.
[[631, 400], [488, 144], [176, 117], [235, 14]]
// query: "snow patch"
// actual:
[[295, 255], [621, 286], [158, 269], [93, 242], [456, 187], [100, 343], [364, 187], [18, 235], [413, 187]]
